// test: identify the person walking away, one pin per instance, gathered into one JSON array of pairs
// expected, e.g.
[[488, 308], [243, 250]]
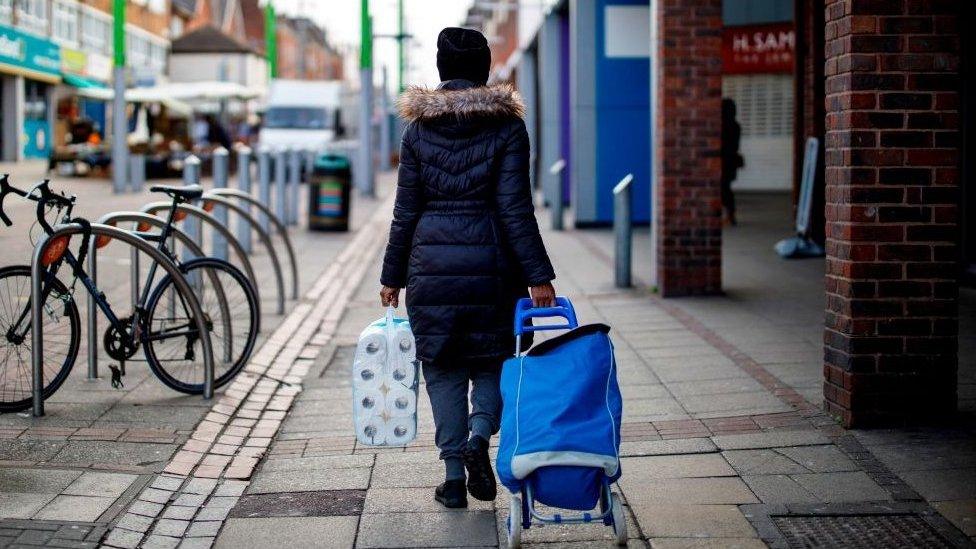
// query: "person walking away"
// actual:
[[465, 244], [731, 158]]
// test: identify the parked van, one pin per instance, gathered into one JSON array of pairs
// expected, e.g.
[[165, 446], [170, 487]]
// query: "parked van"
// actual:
[[302, 113]]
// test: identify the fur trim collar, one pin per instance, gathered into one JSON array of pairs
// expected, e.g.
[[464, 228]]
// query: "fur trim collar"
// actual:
[[498, 101]]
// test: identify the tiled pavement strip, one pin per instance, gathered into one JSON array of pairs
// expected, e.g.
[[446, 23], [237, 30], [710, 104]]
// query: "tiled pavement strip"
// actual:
[[186, 505]]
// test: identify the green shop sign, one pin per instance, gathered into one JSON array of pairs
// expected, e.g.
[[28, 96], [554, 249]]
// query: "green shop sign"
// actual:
[[29, 55]]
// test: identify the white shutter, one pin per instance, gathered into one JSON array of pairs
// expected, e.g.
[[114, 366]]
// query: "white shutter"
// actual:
[[765, 112]]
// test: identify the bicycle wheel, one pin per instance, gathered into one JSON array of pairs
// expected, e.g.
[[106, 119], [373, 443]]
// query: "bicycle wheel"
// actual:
[[171, 341], [62, 335]]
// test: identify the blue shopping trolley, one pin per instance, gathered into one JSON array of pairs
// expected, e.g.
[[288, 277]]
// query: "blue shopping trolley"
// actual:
[[560, 432]]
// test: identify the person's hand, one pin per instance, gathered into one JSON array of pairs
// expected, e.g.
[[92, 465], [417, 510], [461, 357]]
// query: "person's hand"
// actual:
[[390, 296], [543, 295]]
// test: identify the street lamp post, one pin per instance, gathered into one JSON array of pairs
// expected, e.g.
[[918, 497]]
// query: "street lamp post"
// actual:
[[366, 178], [120, 147]]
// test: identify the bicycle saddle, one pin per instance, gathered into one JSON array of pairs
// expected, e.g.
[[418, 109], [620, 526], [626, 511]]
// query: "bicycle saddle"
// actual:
[[184, 194]]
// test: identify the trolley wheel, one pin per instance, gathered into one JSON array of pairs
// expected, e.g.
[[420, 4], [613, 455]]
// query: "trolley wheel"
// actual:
[[619, 520], [515, 522]]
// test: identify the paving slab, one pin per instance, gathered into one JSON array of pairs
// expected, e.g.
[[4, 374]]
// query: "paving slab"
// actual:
[[472, 529], [310, 480], [819, 459], [726, 490], [962, 513], [942, 484], [323, 462], [408, 475], [75, 508], [710, 543], [680, 466], [40, 481], [101, 484], [846, 487], [770, 439], [413, 500], [291, 532], [124, 453], [692, 521], [22, 506], [762, 462], [778, 489], [667, 447]]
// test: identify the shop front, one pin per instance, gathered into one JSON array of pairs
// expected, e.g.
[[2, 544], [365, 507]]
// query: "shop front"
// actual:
[[757, 67], [80, 116], [29, 66]]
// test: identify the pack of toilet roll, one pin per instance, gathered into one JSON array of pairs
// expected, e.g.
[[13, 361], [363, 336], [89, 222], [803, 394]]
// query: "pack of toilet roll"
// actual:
[[385, 383]]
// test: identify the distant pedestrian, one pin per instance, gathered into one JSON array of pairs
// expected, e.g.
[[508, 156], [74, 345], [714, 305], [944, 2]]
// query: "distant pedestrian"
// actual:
[[465, 243], [731, 158], [216, 134]]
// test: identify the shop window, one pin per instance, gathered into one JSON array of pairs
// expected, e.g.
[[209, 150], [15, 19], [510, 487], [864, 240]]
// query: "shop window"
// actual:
[[64, 22], [32, 16], [175, 27], [157, 57], [6, 11], [137, 50], [764, 104], [96, 31]]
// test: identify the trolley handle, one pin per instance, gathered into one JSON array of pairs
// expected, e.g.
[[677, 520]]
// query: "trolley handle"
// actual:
[[563, 309]]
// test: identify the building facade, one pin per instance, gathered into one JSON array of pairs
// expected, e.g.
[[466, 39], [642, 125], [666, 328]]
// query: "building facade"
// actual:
[[884, 89], [51, 49]]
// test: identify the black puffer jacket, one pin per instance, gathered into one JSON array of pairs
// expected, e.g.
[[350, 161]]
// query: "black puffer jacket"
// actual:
[[464, 240]]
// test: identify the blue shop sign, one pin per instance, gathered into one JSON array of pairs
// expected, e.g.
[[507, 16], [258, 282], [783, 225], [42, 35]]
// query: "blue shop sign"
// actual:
[[29, 55]]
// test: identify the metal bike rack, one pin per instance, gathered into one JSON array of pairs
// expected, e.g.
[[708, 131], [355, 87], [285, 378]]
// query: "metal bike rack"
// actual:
[[276, 221], [220, 199], [97, 229], [196, 212], [113, 219]]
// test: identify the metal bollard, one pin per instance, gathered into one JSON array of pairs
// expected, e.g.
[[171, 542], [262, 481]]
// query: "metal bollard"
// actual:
[[281, 193], [221, 166], [137, 172], [264, 185], [309, 165], [191, 225], [556, 206], [244, 184], [623, 235], [294, 185]]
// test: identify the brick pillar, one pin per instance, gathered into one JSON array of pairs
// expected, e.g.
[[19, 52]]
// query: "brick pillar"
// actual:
[[892, 153], [687, 140]]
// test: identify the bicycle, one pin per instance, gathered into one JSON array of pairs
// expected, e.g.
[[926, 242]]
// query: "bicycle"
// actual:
[[160, 322]]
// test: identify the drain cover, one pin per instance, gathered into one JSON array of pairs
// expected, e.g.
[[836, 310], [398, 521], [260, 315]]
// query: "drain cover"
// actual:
[[859, 531]]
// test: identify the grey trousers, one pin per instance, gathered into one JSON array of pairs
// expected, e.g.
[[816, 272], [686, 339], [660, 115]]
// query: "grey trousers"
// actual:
[[448, 386]]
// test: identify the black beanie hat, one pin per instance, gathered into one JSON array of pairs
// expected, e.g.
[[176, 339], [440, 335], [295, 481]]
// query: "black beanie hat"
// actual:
[[463, 53]]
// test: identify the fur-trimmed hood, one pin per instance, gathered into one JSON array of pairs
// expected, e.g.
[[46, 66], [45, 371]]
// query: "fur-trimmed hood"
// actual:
[[497, 101]]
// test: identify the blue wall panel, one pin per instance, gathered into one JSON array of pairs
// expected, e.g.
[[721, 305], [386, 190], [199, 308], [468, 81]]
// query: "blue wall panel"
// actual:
[[623, 123]]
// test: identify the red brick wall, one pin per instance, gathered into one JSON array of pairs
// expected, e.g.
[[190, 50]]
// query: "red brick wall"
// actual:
[[892, 204], [688, 133]]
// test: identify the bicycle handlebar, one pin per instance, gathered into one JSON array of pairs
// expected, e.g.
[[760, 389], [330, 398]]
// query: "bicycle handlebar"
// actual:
[[46, 196]]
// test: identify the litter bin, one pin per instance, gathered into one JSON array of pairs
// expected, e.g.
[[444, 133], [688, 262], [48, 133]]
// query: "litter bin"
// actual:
[[329, 193]]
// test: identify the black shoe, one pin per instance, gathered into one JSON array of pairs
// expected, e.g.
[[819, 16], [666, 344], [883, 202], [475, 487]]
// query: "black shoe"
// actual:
[[481, 478], [451, 494]]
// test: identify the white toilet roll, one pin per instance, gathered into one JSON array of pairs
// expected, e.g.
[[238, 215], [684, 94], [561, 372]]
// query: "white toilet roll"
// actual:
[[372, 431], [368, 374], [368, 403], [401, 402], [402, 372], [400, 431], [372, 345], [403, 342]]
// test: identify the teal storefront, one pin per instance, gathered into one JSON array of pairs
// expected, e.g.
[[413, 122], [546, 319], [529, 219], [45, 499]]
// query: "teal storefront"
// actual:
[[38, 61]]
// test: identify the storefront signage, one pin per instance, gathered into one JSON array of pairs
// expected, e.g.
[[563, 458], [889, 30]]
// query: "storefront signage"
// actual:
[[28, 54], [99, 67], [758, 49], [73, 61]]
